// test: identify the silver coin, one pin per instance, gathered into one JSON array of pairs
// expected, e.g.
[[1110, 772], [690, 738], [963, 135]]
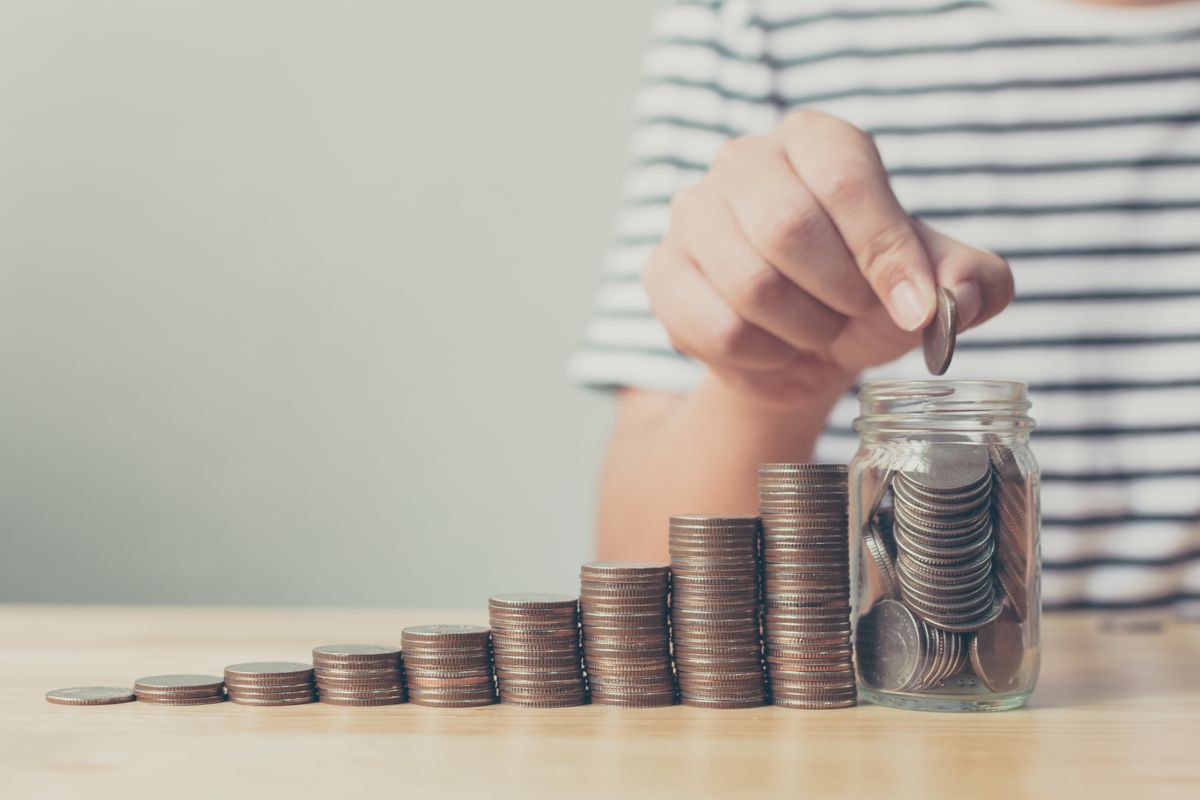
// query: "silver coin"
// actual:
[[940, 334], [90, 696], [889, 647]]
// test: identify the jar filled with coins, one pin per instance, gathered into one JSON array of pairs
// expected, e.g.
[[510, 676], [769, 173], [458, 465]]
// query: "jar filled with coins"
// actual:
[[944, 516]]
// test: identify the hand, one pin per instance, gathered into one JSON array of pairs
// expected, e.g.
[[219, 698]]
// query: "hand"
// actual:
[[791, 266]]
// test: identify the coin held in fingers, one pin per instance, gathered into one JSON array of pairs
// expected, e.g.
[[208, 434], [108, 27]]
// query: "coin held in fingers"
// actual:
[[941, 332]]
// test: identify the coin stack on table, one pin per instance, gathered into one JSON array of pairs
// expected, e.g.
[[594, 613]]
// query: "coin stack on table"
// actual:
[[358, 674], [806, 585], [714, 611], [449, 666], [626, 634], [535, 643], [270, 683], [180, 690]]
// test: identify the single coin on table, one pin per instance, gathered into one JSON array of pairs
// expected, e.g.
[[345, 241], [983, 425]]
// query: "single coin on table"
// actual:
[[941, 332], [90, 696]]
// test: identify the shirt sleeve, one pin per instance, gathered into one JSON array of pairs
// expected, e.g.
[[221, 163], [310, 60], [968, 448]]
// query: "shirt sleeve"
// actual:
[[705, 79]]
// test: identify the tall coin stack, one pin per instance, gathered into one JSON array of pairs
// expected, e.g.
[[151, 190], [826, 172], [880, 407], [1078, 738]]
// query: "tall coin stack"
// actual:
[[714, 611], [944, 542], [626, 636], [535, 643], [358, 674], [449, 666], [179, 690], [270, 683], [806, 584]]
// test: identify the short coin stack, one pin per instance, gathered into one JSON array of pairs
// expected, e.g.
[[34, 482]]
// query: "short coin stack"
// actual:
[[270, 683], [179, 690], [626, 635], [358, 674], [806, 585], [449, 666], [714, 611], [944, 541], [535, 642]]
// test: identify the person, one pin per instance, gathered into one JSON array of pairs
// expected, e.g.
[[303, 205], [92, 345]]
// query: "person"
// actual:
[[806, 172]]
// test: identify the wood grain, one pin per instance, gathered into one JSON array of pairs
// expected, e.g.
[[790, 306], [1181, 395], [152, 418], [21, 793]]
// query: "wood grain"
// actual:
[[1116, 715]]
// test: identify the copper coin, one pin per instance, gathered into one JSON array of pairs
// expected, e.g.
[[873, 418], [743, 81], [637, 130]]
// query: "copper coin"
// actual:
[[273, 701], [90, 696], [361, 702], [181, 701]]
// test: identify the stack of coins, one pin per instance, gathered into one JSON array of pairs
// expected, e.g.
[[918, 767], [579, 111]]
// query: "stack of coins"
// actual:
[[179, 690], [626, 635], [449, 666], [806, 585], [270, 683], [714, 611], [535, 642], [944, 542], [899, 651], [358, 674]]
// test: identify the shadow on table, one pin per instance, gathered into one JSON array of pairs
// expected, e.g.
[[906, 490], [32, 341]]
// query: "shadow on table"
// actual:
[[1122, 658]]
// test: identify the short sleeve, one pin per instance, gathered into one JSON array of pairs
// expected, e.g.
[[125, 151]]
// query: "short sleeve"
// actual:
[[704, 80]]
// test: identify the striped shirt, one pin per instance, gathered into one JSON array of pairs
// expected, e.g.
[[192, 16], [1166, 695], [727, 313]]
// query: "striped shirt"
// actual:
[[1063, 136]]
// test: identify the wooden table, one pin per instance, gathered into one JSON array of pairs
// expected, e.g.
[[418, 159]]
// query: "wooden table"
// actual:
[[1117, 714]]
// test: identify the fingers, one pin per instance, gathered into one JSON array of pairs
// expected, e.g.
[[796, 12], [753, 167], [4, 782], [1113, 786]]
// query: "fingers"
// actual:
[[840, 166], [981, 281], [786, 226], [751, 286], [700, 322]]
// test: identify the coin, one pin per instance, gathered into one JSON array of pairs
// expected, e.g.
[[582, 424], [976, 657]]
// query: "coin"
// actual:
[[941, 332], [266, 670], [90, 696], [180, 683], [998, 652], [889, 646]]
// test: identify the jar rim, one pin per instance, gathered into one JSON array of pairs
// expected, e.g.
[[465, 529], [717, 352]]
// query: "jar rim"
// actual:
[[964, 404]]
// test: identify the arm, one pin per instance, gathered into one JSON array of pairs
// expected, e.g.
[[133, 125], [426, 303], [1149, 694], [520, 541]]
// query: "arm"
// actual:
[[697, 453]]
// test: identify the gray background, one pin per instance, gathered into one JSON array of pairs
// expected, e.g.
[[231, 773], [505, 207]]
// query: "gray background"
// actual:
[[286, 292]]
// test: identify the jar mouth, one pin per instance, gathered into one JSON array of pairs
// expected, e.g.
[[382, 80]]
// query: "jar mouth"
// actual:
[[959, 405]]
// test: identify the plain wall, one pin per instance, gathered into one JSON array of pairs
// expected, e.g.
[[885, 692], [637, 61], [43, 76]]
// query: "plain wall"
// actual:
[[286, 292]]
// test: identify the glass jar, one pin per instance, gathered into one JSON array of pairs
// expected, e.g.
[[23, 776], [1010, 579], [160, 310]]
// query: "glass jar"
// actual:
[[945, 526]]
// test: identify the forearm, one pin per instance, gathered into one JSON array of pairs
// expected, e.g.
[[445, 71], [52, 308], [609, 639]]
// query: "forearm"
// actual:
[[696, 454]]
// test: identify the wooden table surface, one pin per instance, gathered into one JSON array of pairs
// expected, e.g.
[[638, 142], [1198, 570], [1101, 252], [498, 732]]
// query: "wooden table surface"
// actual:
[[1116, 714]]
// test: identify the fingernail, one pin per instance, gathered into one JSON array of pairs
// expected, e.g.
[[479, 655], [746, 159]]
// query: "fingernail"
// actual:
[[969, 301], [909, 309]]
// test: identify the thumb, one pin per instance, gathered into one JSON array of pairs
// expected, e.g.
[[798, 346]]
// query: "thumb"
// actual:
[[981, 281]]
